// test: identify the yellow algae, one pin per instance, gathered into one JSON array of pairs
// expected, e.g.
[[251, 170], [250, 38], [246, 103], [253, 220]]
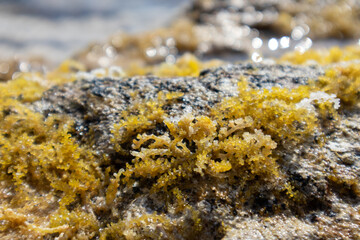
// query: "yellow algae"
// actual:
[[348, 186], [187, 65], [51, 185], [140, 228], [42, 164], [344, 82], [41, 156], [21, 89], [141, 116], [113, 187], [155, 226], [66, 72], [236, 140], [323, 57], [275, 111]]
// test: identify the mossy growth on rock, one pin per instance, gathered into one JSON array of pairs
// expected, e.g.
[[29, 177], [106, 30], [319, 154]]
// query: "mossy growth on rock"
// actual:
[[43, 170], [168, 168], [236, 140], [344, 82], [233, 151], [324, 56]]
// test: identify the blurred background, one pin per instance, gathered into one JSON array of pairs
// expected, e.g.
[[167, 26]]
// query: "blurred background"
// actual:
[[39, 34], [56, 28]]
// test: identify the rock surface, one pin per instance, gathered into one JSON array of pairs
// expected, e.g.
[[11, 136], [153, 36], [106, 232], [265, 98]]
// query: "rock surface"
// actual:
[[96, 103], [326, 175]]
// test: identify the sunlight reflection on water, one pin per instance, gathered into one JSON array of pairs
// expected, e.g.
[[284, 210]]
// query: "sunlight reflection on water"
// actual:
[[59, 28]]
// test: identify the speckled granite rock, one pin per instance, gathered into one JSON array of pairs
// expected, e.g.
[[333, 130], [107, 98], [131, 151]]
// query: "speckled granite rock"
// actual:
[[326, 175], [96, 103]]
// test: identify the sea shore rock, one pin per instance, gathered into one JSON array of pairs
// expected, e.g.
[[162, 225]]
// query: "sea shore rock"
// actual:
[[326, 175], [96, 103]]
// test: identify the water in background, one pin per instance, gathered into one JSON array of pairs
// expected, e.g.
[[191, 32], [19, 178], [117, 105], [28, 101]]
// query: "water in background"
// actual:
[[56, 29]]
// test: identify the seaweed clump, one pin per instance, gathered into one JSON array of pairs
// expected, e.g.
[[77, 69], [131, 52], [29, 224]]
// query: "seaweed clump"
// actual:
[[324, 56], [344, 82], [42, 168], [231, 154], [51, 184], [175, 174], [240, 133]]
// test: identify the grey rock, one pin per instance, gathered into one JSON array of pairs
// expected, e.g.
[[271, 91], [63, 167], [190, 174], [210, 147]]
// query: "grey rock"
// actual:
[[95, 104], [326, 175]]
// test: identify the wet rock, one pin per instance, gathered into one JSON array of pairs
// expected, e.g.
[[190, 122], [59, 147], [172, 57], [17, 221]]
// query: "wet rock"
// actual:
[[95, 104], [325, 176]]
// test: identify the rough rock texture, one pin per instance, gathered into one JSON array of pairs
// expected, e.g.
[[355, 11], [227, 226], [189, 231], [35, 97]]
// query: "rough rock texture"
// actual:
[[326, 175], [96, 103]]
